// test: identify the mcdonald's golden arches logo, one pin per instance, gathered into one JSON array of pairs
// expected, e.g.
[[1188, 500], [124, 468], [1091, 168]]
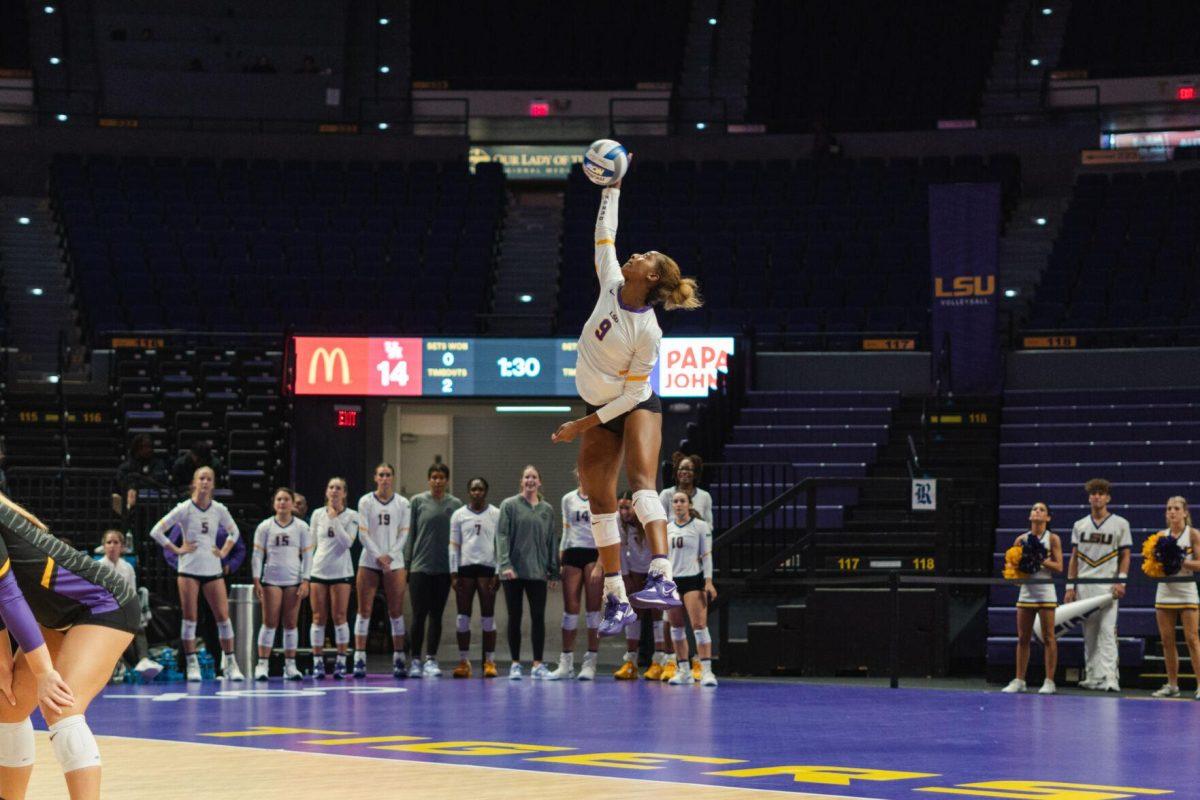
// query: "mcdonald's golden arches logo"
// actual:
[[329, 360]]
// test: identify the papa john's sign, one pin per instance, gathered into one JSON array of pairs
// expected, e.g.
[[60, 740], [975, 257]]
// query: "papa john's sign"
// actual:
[[688, 365], [358, 366]]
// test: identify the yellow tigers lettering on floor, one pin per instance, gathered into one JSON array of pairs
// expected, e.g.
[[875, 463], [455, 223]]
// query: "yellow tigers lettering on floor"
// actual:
[[828, 776], [1044, 790], [632, 760]]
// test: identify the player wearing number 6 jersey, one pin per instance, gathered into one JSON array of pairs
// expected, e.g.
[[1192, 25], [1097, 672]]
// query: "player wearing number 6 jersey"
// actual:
[[617, 352]]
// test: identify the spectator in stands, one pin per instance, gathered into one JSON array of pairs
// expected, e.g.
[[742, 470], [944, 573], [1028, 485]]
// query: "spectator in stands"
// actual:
[[137, 655], [687, 472], [1101, 544], [308, 66], [1179, 603], [300, 507], [427, 554], [199, 455], [262, 66], [1038, 601], [141, 471], [527, 549]]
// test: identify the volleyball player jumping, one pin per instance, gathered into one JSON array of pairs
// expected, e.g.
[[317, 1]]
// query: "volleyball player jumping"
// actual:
[[617, 352]]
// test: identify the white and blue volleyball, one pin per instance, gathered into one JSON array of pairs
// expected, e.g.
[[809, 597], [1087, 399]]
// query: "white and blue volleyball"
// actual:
[[605, 162]]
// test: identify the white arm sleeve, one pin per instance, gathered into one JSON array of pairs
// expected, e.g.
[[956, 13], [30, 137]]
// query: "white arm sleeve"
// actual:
[[338, 525], [231, 528], [307, 546], [637, 381], [370, 551], [706, 544], [259, 551], [455, 541], [397, 551], [159, 532], [608, 268]]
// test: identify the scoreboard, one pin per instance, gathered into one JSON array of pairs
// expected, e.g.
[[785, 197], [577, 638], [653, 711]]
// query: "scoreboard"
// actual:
[[478, 367]]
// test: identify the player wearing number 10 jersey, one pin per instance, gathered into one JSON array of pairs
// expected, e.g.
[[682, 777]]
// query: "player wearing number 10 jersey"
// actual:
[[617, 352]]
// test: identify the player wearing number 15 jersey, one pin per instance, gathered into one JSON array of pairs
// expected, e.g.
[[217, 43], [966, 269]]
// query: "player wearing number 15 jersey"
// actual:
[[617, 352]]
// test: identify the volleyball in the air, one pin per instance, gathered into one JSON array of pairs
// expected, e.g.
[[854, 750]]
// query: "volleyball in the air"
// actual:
[[605, 162]]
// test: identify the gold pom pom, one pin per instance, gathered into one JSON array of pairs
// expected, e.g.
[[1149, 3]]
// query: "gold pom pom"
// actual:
[[1150, 564], [1012, 558]]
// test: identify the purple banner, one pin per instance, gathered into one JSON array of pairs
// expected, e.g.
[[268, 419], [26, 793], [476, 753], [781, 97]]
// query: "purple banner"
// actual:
[[964, 237]]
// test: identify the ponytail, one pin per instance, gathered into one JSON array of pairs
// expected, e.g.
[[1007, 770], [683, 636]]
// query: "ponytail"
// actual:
[[675, 291]]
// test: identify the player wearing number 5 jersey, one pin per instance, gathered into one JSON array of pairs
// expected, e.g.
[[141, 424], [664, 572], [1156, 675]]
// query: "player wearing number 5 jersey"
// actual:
[[617, 352], [383, 521]]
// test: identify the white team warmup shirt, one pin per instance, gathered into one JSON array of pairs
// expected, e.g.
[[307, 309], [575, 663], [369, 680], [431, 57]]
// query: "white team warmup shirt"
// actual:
[[701, 503], [1098, 547], [334, 539], [473, 538], [691, 548], [619, 345], [383, 529], [282, 553], [199, 525], [577, 522], [122, 568], [635, 556]]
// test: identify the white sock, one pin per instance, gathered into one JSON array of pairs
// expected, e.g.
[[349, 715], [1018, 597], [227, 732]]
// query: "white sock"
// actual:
[[706, 664], [631, 656], [661, 566], [614, 585], [360, 655], [489, 656], [289, 662], [398, 657], [462, 655], [192, 658], [566, 658]]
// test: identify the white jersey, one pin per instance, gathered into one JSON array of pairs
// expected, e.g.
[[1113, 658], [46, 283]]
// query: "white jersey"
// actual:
[[199, 525], [618, 347], [383, 529], [1039, 595], [577, 522], [691, 548], [282, 553], [701, 503], [1098, 547], [1183, 594], [635, 555], [473, 537], [334, 539], [124, 569]]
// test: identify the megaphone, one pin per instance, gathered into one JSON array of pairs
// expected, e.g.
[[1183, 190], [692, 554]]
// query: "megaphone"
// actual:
[[1068, 616]]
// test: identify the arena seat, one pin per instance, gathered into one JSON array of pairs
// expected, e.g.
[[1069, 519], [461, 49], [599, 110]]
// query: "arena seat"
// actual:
[[1128, 38]]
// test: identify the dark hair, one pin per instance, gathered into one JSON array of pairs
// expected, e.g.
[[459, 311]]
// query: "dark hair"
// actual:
[[279, 489], [678, 457], [1098, 486], [481, 480], [626, 495], [137, 442], [442, 468], [104, 536], [1045, 505], [385, 464]]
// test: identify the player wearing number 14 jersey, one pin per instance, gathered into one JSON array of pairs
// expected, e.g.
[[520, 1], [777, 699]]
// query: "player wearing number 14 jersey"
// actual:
[[617, 352]]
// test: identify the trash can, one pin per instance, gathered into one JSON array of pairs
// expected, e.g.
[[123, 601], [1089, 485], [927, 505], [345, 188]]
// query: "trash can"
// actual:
[[247, 616]]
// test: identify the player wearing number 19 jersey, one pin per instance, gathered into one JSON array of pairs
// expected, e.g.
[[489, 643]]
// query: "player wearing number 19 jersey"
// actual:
[[617, 351], [384, 518]]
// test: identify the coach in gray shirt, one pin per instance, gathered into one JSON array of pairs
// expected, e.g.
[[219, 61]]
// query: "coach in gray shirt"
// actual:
[[427, 554]]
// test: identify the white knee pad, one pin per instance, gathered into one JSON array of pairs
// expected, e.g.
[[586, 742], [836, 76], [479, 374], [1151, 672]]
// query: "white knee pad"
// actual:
[[593, 619], [488, 624], [658, 630], [362, 625], [702, 636], [570, 621], [398, 626], [266, 637], [341, 633], [678, 634], [648, 507], [316, 636], [74, 745], [187, 630], [291, 638], [225, 629], [463, 623], [605, 529], [16, 744]]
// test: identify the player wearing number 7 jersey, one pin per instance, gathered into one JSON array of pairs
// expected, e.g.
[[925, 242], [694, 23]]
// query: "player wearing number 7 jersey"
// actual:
[[617, 352]]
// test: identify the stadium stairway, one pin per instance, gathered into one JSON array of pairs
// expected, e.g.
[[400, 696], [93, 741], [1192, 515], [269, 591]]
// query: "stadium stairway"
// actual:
[[1014, 84], [1025, 247], [527, 266]]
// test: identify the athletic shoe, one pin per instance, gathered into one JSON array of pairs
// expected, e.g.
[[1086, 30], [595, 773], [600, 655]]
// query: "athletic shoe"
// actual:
[[360, 668], [708, 679], [319, 667], [147, 669], [588, 671], [540, 673], [1048, 687], [563, 672], [1167, 690], [489, 669], [514, 672], [653, 672], [617, 614], [627, 672], [230, 669], [1198, 694], [414, 669], [118, 674], [339, 669], [1090, 685], [682, 678], [290, 673], [193, 672], [431, 668], [697, 670], [669, 669], [1014, 686], [400, 669], [463, 670], [1109, 686], [658, 593], [260, 671]]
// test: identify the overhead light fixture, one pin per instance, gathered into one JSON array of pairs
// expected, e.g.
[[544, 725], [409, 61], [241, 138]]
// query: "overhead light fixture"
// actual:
[[525, 298], [1035, 62], [22, 220], [1010, 292], [1041, 221], [712, 20], [36, 291], [61, 117], [701, 126], [383, 126], [55, 60], [385, 69], [384, 20]]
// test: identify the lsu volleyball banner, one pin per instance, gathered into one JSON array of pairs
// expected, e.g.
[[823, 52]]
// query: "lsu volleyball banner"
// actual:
[[964, 239]]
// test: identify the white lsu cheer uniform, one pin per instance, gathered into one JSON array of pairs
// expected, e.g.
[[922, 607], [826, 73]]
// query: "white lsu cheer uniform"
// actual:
[[1179, 596], [199, 525], [1038, 595], [578, 547], [701, 503], [383, 529], [282, 553], [1097, 550], [635, 555], [332, 562], [618, 347], [691, 554], [473, 542]]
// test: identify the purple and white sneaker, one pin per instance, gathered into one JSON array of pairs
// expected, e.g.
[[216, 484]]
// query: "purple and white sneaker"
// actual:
[[339, 669], [658, 593], [617, 614]]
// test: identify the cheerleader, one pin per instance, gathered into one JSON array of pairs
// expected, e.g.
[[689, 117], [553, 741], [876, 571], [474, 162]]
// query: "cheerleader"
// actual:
[[635, 560], [691, 561], [383, 521], [1179, 603], [71, 618], [201, 518], [334, 529], [1038, 601], [281, 565], [577, 558], [617, 351], [687, 473], [473, 568]]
